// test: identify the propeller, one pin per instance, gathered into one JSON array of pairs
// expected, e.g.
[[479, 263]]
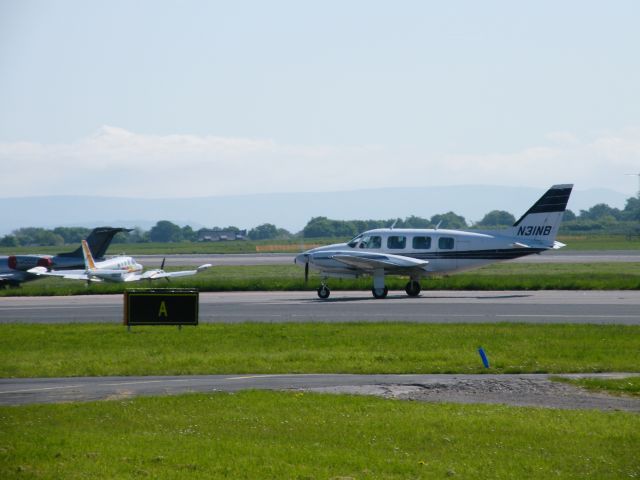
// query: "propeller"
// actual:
[[306, 260], [162, 269], [306, 270]]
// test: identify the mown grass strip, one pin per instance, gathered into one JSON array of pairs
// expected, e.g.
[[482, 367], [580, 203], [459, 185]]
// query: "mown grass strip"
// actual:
[[96, 349], [626, 386], [504, 276], [293, 435], [600, 242]]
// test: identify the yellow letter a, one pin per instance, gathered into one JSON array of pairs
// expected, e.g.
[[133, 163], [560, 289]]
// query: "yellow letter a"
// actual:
[[163, 310]]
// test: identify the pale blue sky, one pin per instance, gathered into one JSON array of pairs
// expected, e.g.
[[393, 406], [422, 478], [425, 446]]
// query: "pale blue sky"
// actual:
[[485, 87]]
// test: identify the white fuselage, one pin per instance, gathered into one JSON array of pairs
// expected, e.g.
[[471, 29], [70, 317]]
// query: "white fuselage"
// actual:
[[116, 269], [447, 251], [418, 253]]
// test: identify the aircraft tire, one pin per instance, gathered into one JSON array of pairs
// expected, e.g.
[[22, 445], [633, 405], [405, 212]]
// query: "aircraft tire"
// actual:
[[380, 292], [324, 292], [413, 288]]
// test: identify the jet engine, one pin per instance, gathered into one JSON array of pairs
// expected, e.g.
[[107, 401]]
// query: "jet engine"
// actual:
[[25, 262]]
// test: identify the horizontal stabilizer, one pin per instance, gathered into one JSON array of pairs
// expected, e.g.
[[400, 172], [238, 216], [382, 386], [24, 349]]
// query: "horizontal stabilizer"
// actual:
[[37, 270]]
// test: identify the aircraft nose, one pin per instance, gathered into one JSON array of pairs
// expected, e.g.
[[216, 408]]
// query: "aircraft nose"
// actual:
[[300, 259]]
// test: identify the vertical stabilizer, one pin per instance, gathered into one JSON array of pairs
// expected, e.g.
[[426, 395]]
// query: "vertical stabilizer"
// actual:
[[89, 263], [99, 240], [541, 222]]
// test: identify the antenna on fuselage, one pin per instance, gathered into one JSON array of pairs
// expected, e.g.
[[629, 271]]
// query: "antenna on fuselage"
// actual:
[[438, 225], [393, 224]]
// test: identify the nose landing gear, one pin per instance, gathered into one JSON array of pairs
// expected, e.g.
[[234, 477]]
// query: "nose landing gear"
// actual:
[[324, 292]]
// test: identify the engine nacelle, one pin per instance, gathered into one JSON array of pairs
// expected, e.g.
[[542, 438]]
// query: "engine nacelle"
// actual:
[[25, 262]]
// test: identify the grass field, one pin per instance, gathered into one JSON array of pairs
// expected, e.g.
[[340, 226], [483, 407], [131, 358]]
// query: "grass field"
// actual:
[[600, 242], [265, 435], [574, 242], [155, 248], [627, 386], [294, 435], [30, 350], [501, 276]]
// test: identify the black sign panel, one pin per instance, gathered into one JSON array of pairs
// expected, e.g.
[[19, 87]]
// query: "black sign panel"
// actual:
[[161, 306]]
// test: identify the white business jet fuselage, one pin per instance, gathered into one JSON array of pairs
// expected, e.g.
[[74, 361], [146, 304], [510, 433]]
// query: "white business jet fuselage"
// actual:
[[116, 269], [419, 253]]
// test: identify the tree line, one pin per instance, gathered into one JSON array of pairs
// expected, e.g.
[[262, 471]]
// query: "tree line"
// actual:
[[600, 218]]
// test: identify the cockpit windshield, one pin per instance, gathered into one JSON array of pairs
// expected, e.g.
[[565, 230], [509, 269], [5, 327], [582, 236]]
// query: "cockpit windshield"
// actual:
[[355, 241]]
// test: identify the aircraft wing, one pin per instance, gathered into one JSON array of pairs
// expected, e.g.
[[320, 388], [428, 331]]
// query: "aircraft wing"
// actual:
[[156, 274], [556, 245], [68, 274], [374, 261]]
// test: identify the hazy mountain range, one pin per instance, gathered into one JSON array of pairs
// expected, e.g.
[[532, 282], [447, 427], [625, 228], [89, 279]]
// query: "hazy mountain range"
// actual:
[[287, 210]]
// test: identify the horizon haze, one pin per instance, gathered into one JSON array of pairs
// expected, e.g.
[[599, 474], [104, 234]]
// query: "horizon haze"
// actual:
[[161, 99], [285, 210]]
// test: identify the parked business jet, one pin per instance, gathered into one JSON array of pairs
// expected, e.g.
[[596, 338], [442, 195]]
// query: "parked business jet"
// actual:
[[14, 269], [116, 269], [419, 253]]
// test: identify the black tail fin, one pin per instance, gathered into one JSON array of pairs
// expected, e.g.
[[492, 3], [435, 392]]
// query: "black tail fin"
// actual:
[[98, 240]]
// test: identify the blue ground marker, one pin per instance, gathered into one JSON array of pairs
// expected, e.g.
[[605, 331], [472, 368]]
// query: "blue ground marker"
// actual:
[[483, 356]]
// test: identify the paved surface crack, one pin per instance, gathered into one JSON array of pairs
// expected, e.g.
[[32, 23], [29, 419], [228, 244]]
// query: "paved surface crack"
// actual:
[[512, 391]]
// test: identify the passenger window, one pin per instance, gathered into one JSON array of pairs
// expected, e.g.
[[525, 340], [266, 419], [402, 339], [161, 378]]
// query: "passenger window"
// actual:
[[371, 242], [396, 242], [421, 243], [445, 243]]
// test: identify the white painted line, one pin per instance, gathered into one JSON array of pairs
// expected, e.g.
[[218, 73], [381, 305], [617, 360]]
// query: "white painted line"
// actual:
[[54, 307], [274, 376], [140, 382], [40, 389], [99, 384]]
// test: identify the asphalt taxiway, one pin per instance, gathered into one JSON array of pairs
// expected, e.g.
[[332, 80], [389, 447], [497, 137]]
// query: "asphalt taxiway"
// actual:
[[552, 306], [523, 389]]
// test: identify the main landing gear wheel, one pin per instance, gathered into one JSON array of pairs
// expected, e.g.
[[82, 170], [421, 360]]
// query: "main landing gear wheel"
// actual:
[[380, 292], [324, 292], [413, 288]]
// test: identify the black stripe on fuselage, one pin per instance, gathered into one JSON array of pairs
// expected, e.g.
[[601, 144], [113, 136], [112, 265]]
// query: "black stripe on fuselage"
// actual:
[[497, 254]]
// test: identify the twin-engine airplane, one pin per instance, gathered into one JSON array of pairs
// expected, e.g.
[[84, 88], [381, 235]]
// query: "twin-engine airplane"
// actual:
[[14, 269], [419, 253], [116, 269]]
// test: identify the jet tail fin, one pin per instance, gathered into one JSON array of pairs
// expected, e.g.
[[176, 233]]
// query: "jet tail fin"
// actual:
[[99, 240], [541, 222]]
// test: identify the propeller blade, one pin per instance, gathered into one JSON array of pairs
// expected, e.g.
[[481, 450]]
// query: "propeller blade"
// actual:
[[306, 271], [162, 265]]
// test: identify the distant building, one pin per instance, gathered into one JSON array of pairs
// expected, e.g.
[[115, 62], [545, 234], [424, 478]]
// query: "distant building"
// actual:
[[206, 235]]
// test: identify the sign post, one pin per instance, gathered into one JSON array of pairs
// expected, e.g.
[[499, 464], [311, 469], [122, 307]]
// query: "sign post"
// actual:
[[161, 306]]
